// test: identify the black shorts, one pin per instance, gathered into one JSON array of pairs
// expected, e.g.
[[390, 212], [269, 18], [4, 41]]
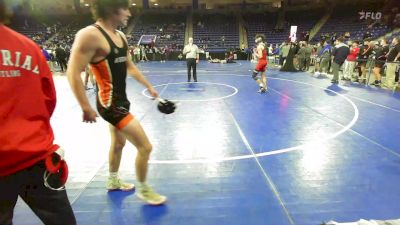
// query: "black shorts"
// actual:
[[52, 207], [117, 114]]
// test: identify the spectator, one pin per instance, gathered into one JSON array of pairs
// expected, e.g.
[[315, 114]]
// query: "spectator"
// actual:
[[392, 63], [380, 58], [351, 62], [308, 52], [301, 55], [28, 100], [162, 54], [143, 53], [61, 58], [365, 52], [136, 54], [248, 53], [325, 56], [339, 54], [284, 51]]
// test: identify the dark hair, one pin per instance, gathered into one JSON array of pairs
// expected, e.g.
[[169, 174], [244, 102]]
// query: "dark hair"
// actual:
[[104, 8], [262, 36]]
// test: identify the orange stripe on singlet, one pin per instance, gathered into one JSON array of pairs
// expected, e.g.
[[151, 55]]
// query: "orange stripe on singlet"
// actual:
[[103, 76]]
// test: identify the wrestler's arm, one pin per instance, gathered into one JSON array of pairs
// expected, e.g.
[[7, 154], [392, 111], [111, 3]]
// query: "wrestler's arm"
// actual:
[[82, 52]]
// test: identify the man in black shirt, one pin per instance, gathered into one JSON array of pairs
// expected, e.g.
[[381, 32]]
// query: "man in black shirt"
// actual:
[[339, 54], [392, 59], [380, 57], [363, 59], [61, 58]]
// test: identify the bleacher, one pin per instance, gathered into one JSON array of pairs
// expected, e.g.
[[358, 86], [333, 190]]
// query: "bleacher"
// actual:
[[29, 27], [216, 32], [304, 20], [169, 29], [213, 32], [262, 23], [266, 24], [56, 29], [343, 21]]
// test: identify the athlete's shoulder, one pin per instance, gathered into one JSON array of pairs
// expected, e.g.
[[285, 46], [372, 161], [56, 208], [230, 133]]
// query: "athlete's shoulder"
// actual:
[[122, 35], [89, 32], [88, 37]]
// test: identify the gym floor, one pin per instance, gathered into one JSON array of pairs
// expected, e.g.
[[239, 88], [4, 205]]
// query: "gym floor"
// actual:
[[303, 153]]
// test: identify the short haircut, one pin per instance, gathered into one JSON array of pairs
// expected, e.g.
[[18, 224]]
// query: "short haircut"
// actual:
[[262, 36], [102, 9]]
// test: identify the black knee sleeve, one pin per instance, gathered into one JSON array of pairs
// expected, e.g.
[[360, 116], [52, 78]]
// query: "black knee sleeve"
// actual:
[[254, 76]]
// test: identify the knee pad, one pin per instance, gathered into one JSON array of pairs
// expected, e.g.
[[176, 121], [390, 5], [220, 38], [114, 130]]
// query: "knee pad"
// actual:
[[254, 75]]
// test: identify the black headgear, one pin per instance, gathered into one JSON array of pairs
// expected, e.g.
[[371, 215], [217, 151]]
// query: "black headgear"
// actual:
[[166, 106]]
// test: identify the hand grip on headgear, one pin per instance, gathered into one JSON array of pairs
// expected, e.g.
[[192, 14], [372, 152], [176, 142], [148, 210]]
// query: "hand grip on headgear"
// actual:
[[165, 106]]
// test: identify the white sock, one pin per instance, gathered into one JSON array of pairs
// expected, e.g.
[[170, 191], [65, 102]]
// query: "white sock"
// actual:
[[113, 175]]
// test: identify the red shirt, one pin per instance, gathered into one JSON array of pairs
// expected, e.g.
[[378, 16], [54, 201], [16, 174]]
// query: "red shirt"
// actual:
[[353, 54], [27, 101]]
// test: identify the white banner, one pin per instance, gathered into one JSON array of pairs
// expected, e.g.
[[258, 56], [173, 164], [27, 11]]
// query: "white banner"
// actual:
[[293, 33]]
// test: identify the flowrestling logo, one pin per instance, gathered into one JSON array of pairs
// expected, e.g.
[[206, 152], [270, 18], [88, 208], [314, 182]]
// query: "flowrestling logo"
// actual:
[[370, 15]]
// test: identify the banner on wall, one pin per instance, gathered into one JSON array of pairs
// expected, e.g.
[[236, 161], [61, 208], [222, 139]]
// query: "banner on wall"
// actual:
[[293, 33]]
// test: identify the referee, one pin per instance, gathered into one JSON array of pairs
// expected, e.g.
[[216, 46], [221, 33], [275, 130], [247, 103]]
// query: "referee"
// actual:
[[192, 58]]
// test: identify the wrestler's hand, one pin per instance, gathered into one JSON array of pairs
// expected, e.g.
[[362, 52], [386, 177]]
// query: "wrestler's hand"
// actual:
[[153, 92], [89, 115]]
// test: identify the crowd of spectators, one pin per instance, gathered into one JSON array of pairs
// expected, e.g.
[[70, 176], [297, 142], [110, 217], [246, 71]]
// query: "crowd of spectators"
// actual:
[[364, 61], [316, 57]]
